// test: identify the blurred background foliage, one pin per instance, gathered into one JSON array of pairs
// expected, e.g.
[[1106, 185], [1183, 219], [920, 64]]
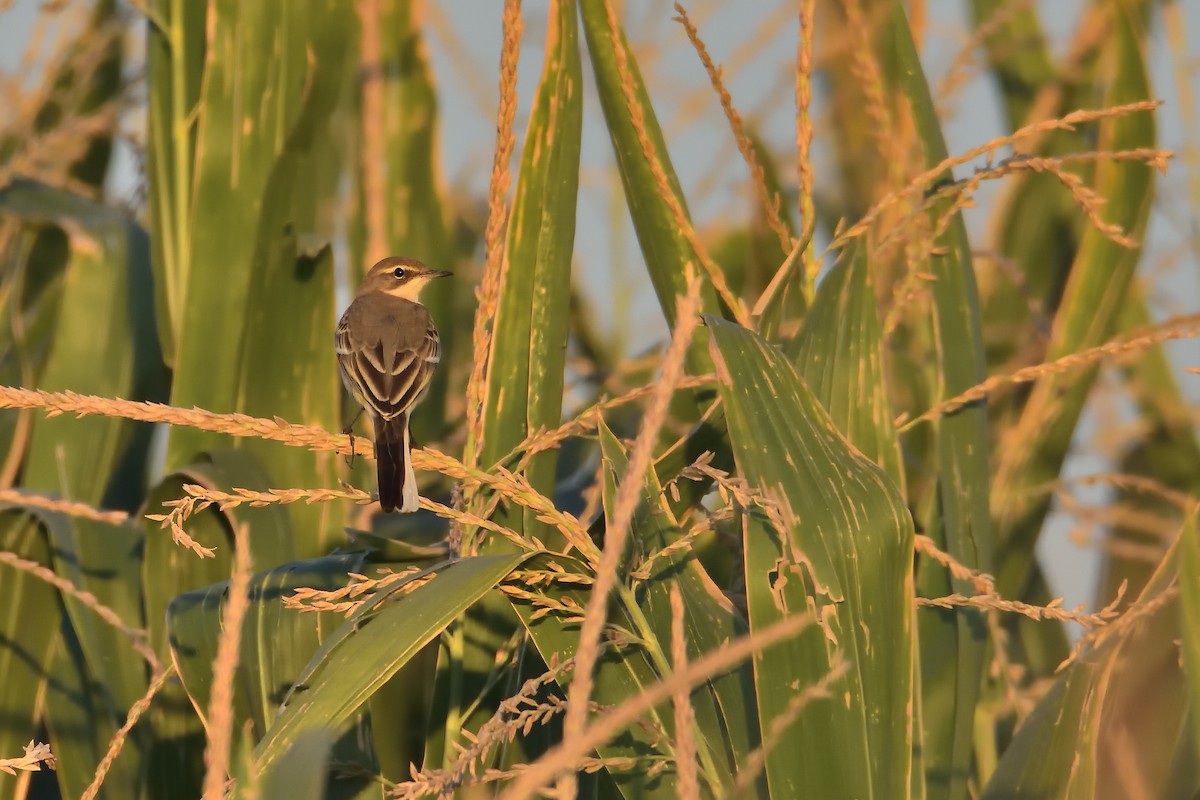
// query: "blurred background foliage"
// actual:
[[844, 215]]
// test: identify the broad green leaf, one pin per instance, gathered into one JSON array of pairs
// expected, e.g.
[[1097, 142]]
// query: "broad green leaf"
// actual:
[[105, 561], [259, 313], [524, 383], [725, 706], [845, 553], [664, 248], [839, 353], [103, 343], [276, 643], [960, 450], [529, 331], [31, 281], [375, 642], [1122, 695], [1096, 289], [80, 723]]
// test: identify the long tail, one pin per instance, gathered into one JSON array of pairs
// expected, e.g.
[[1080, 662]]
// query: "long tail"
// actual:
[[397, 483]]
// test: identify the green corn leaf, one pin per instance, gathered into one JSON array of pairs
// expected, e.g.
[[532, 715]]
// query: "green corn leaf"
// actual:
[[170, 570], [107, 674], [664, 247], [79, 721], [277, 642], [375, 642], [845, 553], [524, 382], [79, 678], [300, 773]]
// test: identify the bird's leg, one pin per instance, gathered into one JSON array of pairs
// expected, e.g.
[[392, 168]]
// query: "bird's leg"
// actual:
[[349, 431]]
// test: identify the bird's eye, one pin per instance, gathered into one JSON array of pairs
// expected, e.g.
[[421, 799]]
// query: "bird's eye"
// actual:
[[399, 273]]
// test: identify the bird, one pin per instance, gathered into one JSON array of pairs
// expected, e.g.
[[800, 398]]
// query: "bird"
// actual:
[[387, 349]]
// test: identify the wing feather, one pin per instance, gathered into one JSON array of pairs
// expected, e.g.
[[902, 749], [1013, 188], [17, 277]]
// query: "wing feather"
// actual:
[[387, 371]]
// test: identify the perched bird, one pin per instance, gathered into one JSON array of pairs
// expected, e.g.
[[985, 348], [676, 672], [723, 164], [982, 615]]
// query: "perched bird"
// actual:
[[387, 348]]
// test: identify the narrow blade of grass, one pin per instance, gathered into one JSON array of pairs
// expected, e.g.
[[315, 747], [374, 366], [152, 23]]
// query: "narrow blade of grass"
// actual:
[[961, 456]]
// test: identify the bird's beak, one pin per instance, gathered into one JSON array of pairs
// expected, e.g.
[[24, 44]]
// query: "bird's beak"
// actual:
[[438, 273]]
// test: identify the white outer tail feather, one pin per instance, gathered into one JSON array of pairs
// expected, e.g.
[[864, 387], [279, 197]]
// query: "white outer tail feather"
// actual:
[[412, 500]]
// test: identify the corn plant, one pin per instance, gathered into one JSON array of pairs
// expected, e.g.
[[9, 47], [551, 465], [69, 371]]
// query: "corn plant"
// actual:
[[791, 553]]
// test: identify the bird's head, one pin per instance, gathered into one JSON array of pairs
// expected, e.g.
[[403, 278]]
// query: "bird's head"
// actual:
[[400, 277]]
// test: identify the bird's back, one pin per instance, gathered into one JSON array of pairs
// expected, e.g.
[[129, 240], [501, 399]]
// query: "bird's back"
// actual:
[[378, 317]]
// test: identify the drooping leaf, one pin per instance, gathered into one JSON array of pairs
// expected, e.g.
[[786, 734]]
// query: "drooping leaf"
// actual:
[[376, 641]]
